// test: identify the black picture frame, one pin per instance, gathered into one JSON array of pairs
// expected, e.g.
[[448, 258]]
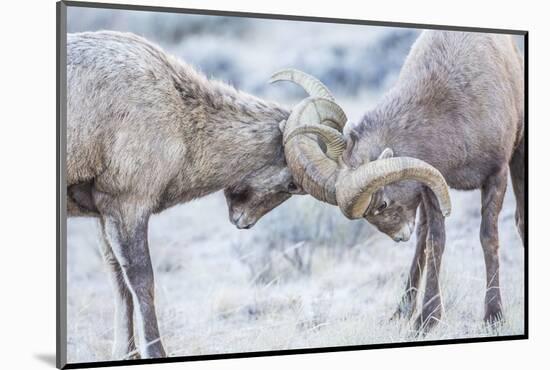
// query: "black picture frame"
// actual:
[[61, 217]]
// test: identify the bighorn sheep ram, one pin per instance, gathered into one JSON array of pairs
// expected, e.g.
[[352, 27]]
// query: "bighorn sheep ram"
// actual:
[[455, 116], [146, 132]]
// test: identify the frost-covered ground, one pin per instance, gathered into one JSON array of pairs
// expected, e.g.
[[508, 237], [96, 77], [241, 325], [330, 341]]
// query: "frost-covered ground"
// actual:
[[220, 291], [304, 276]]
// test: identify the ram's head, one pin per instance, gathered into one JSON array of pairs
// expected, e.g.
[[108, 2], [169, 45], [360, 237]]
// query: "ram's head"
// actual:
[[324, 163], [259, 193]]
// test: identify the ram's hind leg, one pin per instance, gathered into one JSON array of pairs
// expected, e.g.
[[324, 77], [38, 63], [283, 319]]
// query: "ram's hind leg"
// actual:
[[492, 196], [124, 346], [517, 171], [408, 301]]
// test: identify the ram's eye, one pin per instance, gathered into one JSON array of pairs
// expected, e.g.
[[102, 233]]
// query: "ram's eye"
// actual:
[[382, 207], [292, 187]]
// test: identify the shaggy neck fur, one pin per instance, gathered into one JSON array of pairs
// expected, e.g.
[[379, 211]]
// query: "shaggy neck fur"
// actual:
[[143, 122], [430, 93], [455, 94], [236, 133]]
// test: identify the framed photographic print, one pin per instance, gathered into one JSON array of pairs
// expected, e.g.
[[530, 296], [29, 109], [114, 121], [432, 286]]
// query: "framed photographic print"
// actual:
[[235, 184]]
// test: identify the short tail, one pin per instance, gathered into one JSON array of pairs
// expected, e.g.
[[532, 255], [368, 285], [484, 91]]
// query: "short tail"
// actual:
[[517, 172]]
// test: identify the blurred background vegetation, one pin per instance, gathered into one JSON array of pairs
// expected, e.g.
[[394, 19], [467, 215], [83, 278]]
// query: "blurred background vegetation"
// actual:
[[304, 276]]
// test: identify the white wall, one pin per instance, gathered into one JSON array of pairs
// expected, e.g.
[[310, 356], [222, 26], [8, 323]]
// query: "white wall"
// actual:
[[27, 148]]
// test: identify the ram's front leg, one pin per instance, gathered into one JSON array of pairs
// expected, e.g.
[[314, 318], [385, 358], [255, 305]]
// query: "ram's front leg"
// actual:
[[124, 346], [125, 225], [407, 304], [435, 244]]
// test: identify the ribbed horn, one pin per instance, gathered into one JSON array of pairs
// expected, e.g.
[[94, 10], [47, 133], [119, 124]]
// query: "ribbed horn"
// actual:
[[332, 138], [310, 166], [354, 188], [310, 84]]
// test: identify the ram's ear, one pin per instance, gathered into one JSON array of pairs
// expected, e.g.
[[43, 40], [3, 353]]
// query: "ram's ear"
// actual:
[[348, 155], [386, 153], [282, 125]]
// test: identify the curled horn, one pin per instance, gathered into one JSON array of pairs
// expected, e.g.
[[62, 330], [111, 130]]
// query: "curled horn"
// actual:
[[313, 169], [324, 175], [314, 88], [332, 138], [354, 188], [310, 84]]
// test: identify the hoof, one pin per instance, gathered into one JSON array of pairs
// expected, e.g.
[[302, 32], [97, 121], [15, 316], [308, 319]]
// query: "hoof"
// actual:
[[426, 322], [155, 350], [494, 317], [405, 309], [133, 356], [403, 312]]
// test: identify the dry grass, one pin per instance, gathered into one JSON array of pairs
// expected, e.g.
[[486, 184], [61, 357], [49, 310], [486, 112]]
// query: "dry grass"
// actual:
[[304, 276], [222, 290]]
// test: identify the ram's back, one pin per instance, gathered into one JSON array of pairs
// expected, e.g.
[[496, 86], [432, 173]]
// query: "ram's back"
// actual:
[[465, 92], [121, 104], [474, 80]]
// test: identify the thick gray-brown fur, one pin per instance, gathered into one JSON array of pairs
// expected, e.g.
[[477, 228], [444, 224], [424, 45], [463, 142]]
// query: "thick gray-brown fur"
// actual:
[[145, 132], [458, 105]]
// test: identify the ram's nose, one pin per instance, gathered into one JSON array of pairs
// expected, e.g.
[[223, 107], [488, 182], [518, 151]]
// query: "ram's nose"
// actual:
[[241, 222], [244, 224], [404, 234], [234, 217]]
